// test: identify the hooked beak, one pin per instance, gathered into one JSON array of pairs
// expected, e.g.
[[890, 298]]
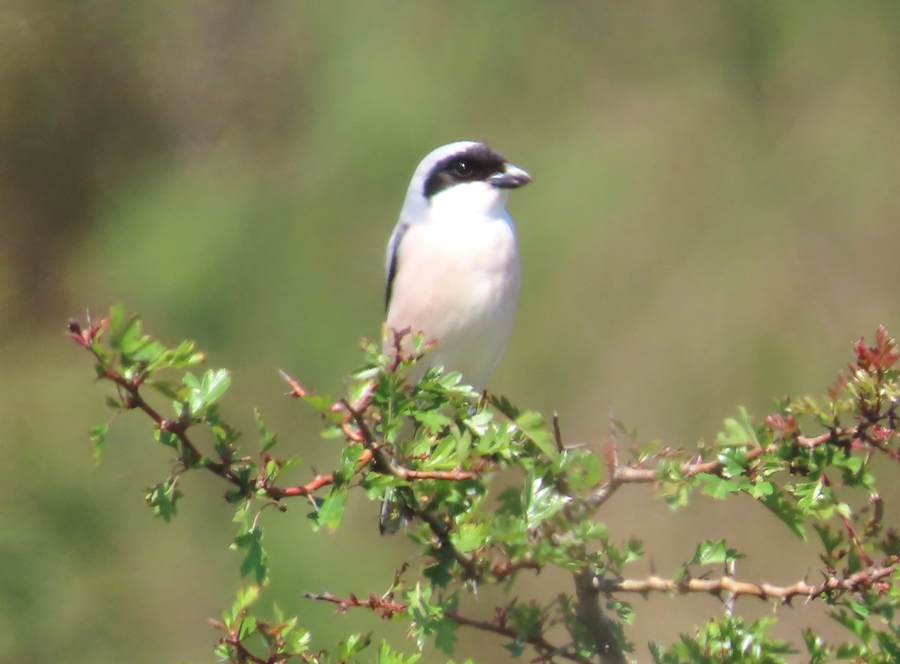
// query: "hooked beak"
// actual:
[[512, 178]]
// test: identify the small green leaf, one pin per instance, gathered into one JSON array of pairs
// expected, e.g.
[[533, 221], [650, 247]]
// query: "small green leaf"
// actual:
[[433, 420], [532, 424], [470, 536], [185, 355], [710, 553], [445, 635], [166, 388], [163, 498], [255, 556], [215, 384], [331, 509], [353, 645], [739, 431], [166, 437], [504, 406], [98, 438], [266, 437], [204, 393], [246, 597]]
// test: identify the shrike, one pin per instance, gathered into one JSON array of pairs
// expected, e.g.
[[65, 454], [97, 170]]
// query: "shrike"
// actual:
[[453, 263]]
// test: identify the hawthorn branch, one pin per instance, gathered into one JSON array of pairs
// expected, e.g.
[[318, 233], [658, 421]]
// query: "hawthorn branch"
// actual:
[[135, 400], [382, 463], [628, 474], [868, 578], [546, 649], [387, 607], [589, 614], [308, 489], [246, 656]]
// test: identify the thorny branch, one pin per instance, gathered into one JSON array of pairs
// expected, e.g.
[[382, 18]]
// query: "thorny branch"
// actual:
[[589, 587], [356, 424], [620, 475], [386, 607], [866, 579], [134, 400]]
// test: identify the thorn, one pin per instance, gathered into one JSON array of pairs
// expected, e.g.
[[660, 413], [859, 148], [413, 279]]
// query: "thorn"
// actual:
[[297, 390], [557, 435]]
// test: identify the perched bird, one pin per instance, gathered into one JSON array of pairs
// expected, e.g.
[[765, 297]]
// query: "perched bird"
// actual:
[[453, 270], [453, 263]]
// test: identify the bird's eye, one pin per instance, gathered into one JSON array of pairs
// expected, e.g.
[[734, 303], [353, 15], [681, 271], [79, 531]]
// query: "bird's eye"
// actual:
[[462, 169]]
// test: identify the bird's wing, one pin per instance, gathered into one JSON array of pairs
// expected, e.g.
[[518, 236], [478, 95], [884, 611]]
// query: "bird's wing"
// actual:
[[392, 258]]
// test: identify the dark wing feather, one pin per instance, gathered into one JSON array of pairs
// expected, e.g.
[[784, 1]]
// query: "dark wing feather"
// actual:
[[392, 263]]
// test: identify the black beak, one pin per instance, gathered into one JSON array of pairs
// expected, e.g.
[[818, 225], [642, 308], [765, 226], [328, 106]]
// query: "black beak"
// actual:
[[512, 178]]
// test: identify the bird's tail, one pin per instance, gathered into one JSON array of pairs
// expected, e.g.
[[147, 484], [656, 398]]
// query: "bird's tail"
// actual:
[[395, 512]]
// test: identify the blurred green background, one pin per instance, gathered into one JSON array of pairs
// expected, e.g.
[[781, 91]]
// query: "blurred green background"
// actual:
[[713, 220]]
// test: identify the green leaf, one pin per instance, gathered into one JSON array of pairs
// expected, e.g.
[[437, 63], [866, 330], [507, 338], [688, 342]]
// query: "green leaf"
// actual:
[[388, 656], [266, 437], [166, 388], [348, 465], [203, 394], [185, 355], [331, 510], [710, 553], [830, 540], [148, 351], [781, 507], [215, 383], [542, 501], [738, 431], [532, 424], [717, 487], [479, 423], [297, 641], [504, 406], [246, 597], [255, 556], [445, 636], [166, 437], [98, 438], [470, 536], [124, 334], [433, 420], [163, 498], [352, 645], [761, 488], [116, 315]]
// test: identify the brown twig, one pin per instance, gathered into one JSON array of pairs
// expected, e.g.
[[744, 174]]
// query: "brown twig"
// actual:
[[246, 656], [136, 401], [728, 585], [539, 643], [133, 399], [620, 475], [319, 481], [387, 607], [382, 463], [557, 434]]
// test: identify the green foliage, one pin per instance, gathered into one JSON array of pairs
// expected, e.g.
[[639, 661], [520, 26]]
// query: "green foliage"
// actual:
[[437, 449], [726, 641]]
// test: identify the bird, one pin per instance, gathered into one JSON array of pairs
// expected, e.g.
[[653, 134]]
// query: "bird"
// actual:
[[452, 264], [453, 272]]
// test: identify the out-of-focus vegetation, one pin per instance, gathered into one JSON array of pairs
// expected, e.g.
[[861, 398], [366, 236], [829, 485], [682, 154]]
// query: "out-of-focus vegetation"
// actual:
[[712, 221]]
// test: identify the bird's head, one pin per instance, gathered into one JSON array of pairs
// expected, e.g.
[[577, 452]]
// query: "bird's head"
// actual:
[[467, 179]]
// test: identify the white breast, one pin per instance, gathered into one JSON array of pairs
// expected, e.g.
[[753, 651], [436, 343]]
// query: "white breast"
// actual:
[[457, 282]]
